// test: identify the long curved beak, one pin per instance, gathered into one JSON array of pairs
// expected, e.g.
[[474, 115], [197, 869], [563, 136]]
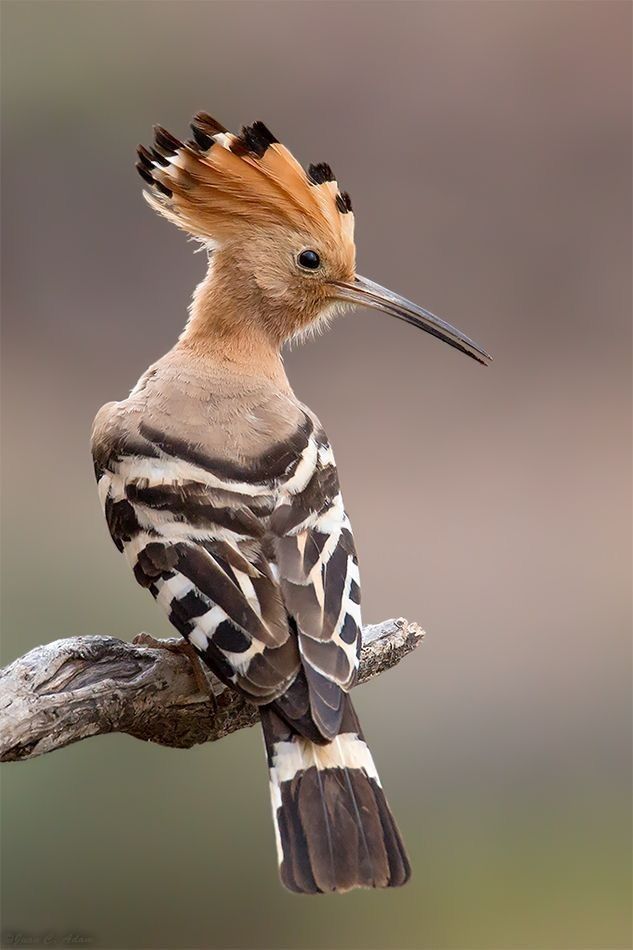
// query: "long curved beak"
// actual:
[[369, 294]]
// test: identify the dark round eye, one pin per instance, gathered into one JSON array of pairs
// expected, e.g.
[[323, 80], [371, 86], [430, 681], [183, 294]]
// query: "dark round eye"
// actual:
[[309, 259]]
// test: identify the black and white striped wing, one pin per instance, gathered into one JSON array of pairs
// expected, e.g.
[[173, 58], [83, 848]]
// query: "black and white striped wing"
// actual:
[[195, 538], [320, 584], [255, 566]]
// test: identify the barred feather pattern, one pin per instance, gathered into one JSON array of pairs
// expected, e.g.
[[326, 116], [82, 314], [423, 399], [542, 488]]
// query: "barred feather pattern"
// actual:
[[334, 829], [221, 490], [253, 560], [231, 553]]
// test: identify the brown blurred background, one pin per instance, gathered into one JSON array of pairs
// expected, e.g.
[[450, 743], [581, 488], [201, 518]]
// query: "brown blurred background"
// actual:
[[487, 149]]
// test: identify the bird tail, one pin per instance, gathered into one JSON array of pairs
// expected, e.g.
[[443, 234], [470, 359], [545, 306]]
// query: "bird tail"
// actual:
[[333, 827]]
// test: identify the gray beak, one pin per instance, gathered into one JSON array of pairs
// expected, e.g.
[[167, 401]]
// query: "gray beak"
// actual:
[[369, 294]]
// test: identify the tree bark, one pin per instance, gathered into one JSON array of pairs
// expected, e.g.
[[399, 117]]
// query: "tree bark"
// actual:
[[87, 686]]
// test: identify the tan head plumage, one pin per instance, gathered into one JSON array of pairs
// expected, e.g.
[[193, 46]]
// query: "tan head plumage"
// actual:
[[284, 237]]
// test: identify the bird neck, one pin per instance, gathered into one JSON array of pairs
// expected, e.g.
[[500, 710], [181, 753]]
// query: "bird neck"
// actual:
[[226, 325]]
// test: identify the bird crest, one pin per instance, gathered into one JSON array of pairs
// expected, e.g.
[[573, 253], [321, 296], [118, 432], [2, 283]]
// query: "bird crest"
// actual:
[[217, 185], [285, 236]]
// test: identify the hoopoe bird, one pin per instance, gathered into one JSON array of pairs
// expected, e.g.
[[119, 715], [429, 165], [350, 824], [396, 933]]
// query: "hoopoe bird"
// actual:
[[220, 487]]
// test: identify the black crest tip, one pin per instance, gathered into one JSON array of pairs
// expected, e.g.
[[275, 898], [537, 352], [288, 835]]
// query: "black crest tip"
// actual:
[[255, 138], [208, 124], [319, 174], [163, 189], [145, 157], [165, 141], [144, 173], [148, 177], [156, 155], [202, 139], [238, 146]]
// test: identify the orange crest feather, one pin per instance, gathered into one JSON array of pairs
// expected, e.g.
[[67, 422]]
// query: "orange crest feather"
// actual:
[[217, 185]]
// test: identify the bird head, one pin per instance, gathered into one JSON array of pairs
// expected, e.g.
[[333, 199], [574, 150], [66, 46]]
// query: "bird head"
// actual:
[[282, 238]]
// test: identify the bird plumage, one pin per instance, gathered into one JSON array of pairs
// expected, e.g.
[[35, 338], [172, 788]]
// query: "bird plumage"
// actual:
[[216, 184], [220, 486], [223, 495]]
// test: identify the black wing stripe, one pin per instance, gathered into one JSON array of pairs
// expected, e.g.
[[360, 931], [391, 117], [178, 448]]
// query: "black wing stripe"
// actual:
[[281, 460], [334, 586], [233, 653], [235, 564], [122, 521], [209, 578], [185, 610], [193, 507], [313, 500]]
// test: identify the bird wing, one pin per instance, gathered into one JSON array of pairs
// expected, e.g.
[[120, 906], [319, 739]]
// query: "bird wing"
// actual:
[[193, 530], [254, 564], [320, 583]]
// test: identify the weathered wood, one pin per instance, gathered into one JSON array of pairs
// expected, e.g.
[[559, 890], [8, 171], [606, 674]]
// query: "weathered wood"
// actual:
[[87, 686]]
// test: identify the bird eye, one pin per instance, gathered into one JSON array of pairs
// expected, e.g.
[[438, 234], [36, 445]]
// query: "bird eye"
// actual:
[[309, 259]]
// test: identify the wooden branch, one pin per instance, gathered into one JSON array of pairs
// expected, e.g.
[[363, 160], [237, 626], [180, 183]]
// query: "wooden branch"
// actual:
[[87, 686]]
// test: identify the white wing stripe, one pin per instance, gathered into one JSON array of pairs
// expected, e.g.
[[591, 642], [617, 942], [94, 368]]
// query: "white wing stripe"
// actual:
[[167, 470]]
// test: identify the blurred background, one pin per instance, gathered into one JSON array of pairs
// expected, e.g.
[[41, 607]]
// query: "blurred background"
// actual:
[[487, 149]]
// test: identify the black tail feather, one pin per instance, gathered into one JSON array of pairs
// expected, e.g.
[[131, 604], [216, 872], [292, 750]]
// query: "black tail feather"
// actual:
[[334, 828]]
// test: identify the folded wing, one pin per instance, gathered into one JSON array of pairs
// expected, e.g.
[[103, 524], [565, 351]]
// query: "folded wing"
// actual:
[[320, 584], [254, 563]]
